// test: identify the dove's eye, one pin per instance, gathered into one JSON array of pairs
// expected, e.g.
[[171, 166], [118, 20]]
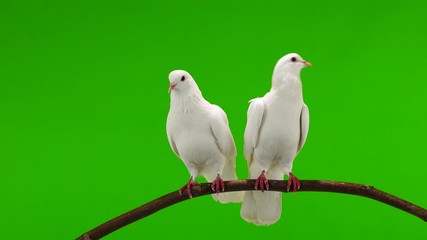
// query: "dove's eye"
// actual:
[[182, 78], [294, 59]]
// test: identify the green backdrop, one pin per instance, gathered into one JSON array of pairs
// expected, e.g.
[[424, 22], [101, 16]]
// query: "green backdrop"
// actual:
[[83, 106]]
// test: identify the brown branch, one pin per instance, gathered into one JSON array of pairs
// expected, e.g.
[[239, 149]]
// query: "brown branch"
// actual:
[[248, 185]]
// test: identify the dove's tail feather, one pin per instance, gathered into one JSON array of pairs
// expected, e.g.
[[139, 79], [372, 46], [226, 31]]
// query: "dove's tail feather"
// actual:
[[249, 209], [261, 208], [230, 197]]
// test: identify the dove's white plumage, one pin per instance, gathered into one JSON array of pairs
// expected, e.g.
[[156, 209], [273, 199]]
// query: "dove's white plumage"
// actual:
[[199, 134], [276, 130]]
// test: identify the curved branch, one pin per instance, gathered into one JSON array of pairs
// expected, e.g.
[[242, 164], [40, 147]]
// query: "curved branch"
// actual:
[[248, 185]]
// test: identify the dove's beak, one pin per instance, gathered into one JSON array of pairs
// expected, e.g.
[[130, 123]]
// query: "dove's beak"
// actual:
[[307, 64], [171, 87]]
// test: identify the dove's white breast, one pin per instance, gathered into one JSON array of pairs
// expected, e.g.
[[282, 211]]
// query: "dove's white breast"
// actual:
[[280, 131], [192, 134]]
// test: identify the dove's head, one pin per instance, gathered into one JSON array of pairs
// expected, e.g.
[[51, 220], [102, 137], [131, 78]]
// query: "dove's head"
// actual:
[[182, 82], [288, 66], [292, 62]]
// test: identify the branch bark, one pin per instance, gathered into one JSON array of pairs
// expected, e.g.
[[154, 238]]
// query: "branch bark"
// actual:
[[248, 185]]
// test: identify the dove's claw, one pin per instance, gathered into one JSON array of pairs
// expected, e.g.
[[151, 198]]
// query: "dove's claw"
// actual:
[[217, 184], [262, 182], [294, 182], [188, 187]]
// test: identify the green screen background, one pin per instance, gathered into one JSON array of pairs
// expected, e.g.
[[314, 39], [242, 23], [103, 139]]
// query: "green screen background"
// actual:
[[83, 106]]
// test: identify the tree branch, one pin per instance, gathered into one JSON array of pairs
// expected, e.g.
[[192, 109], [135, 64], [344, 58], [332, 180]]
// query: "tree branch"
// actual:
[[248, 185]]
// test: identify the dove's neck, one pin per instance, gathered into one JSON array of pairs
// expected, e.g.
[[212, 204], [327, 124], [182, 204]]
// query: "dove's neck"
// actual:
[[187, 102], [287, 82]]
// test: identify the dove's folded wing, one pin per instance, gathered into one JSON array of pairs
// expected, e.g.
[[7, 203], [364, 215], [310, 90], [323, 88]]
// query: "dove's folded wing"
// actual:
[[225, 142], [304, 124], [253, 125], [222, 133], [170, 139]]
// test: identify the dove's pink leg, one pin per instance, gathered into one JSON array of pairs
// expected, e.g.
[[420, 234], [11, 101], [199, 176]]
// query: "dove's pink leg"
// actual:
[[262, 182], [217, 183], [294, 182], [188, 187]]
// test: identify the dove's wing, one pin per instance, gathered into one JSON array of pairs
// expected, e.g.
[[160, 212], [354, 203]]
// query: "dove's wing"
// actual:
[[222, 133], [170, 139], [225, 142], [304, 124], [253, 126]]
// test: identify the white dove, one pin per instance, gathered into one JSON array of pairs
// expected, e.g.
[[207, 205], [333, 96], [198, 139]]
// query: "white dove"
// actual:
[[276, 130], [199, 135]]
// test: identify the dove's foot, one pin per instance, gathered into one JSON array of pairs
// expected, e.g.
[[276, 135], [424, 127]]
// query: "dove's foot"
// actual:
[[188, 187], [262, 182], [217, 184], [294, 182]]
